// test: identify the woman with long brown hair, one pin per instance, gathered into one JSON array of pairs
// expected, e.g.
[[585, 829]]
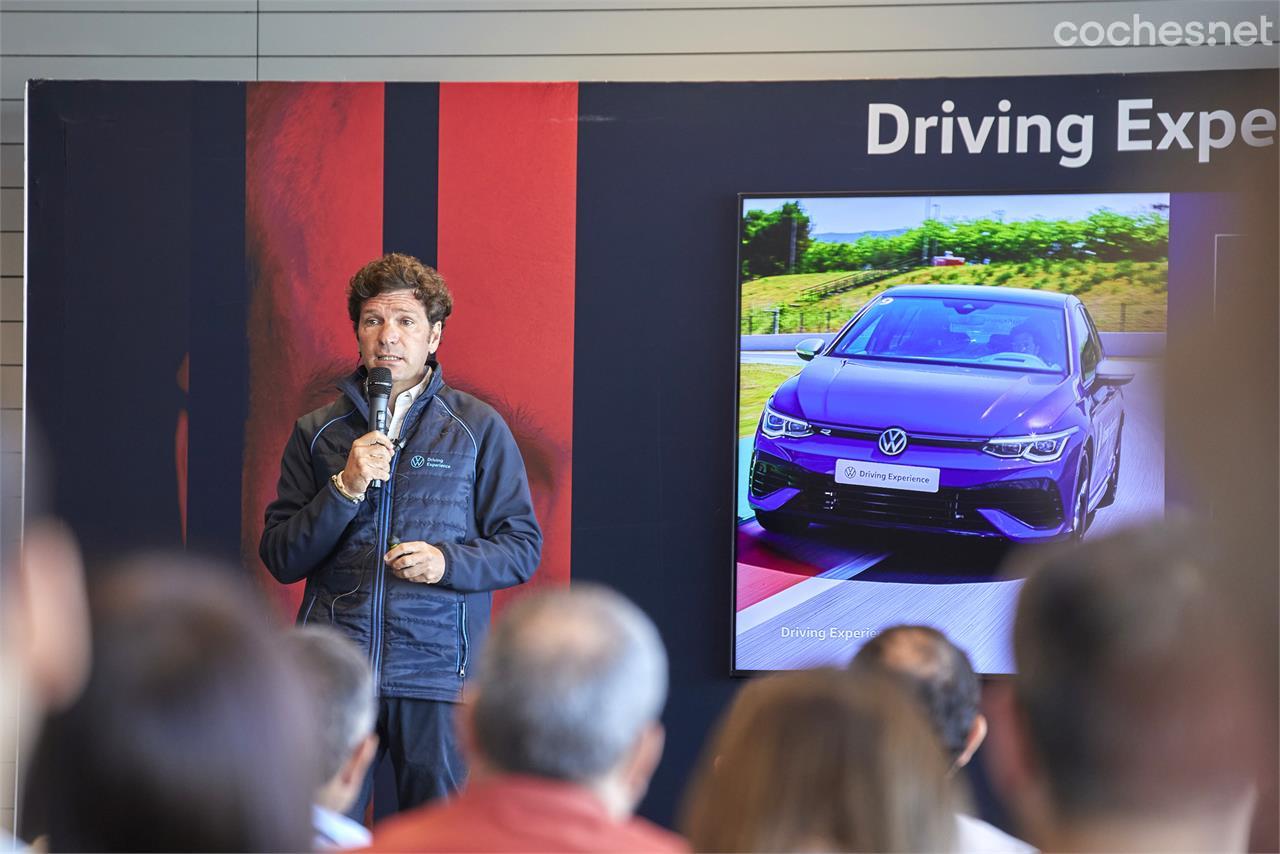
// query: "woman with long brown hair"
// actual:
[[822, 760]]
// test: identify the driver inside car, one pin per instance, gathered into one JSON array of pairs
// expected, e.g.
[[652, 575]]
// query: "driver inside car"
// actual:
[[1025, 342]]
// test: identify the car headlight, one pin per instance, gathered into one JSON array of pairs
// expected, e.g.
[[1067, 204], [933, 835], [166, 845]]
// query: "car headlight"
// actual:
[[1044, 448], [774, 424]]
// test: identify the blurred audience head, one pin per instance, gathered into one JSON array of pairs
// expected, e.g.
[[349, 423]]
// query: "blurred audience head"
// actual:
[[44, 619], [940, 675], [570, 687], [822, 761], [1131, 717], [192, 733], [339, 686], [1223, 434], [44, 622]]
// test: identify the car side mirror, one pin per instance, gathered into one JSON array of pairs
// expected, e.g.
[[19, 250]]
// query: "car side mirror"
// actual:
[[810, 347], [1110, 373]]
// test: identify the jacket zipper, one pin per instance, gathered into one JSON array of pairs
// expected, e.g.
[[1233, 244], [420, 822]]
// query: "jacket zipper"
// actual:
[[462, 623], [379, 588]]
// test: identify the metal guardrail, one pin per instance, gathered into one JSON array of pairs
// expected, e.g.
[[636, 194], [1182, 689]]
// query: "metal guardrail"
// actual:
[[822, 290], [1124, 345], [816, 318]]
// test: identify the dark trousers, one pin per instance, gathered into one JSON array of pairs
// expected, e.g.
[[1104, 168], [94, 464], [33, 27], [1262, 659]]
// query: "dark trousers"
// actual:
[[419, 738]]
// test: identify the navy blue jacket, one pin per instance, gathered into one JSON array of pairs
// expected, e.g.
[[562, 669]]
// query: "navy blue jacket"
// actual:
[[458, 482]]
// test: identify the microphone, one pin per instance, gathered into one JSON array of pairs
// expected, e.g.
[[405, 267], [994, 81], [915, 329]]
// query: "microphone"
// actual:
[[379, 388]]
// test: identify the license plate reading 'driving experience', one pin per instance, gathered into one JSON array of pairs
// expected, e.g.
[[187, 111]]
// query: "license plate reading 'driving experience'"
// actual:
[[886, 476]]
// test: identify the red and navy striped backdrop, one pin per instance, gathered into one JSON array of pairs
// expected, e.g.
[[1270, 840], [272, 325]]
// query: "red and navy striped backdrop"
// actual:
[[478, 180]]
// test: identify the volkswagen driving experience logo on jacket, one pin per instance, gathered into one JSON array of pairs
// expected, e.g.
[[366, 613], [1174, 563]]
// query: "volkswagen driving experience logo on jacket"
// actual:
[[419, 460], [893, 441]]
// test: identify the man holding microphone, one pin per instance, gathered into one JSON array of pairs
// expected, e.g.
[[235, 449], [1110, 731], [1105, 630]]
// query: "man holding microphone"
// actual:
[[403, 535]]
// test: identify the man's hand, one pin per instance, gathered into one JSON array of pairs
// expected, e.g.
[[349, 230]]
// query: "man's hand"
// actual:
[[416, 561], [370, 459]]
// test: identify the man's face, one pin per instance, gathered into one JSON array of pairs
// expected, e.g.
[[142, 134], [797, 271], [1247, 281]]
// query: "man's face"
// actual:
[[1025, 342], [393, 333]]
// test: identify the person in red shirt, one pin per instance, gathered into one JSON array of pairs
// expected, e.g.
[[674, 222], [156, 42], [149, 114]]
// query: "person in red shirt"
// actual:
[[561, 728]]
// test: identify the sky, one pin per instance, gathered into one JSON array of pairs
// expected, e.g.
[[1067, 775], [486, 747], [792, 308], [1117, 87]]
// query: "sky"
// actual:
[[852, 214]]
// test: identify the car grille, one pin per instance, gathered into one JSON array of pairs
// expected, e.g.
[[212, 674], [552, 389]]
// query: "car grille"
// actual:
[[868, 434], [1034, 502]]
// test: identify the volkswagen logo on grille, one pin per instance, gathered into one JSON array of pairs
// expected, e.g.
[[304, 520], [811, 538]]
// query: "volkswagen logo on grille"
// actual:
[[893, 441]]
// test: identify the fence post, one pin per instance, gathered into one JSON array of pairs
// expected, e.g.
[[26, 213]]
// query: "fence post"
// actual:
[[748, 323], [801, 328], [1122, 316]]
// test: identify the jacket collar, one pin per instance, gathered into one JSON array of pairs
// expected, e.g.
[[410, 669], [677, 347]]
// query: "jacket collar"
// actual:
[[353, 387]]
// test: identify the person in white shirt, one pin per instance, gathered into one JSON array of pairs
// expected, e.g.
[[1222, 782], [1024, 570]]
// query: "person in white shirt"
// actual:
[[941, 677], [341, 685]]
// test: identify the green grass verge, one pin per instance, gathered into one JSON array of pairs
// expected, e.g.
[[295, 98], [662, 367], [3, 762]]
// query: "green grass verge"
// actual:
[[1122, 295], [774, 290], [757, 382]]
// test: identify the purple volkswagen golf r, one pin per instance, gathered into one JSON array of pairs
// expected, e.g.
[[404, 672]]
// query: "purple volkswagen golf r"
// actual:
[[981, 411]]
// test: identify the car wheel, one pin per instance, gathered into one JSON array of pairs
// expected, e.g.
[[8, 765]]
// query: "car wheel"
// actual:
[[1080, 515], [1113, 482], [780, 523]]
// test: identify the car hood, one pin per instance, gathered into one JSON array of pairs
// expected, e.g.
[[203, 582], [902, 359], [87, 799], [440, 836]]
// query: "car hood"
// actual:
[[945, 400]]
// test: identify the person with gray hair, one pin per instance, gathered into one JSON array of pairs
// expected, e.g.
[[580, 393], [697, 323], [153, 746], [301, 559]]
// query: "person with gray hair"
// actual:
[[340, 683], [562, 731]]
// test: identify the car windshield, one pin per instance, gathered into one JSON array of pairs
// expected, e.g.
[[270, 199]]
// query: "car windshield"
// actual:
[[979, 332]]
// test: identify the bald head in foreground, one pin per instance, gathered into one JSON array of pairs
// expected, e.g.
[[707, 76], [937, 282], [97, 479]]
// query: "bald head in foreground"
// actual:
[[562, 733]]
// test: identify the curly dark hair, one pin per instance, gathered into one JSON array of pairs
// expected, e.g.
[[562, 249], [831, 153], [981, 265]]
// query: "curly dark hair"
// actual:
[[397, 272]]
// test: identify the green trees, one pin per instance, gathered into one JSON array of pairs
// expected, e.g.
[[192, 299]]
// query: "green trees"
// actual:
[[1101, 236], [774, 243]]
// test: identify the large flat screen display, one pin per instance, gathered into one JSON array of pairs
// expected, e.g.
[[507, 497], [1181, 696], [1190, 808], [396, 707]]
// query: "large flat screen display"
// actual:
[[924, 383]]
